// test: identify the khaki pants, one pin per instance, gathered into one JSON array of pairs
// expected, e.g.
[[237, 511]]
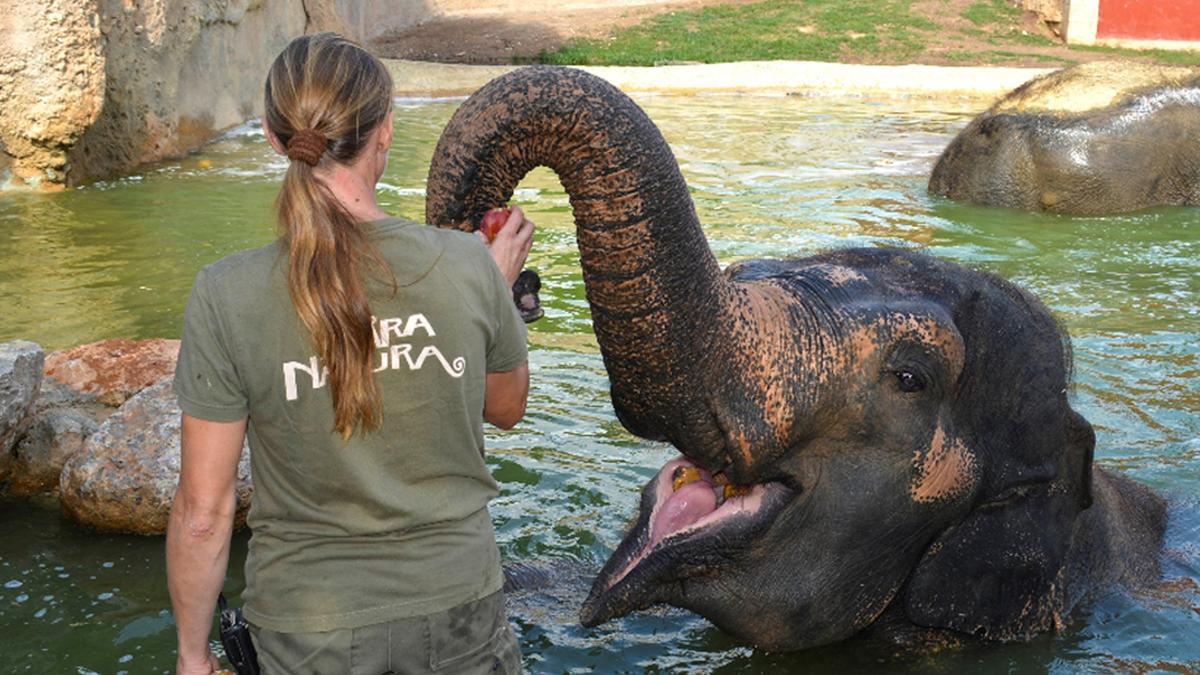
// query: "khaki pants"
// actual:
[[468, 639]]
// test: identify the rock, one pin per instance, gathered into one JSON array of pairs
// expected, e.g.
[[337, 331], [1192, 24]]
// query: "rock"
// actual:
[[51, 85], [124, 478], [178, 73], [114, 370], [55, 395], [52, 439], [91, 88], [363, 21], [20, 380], [1050, 11]]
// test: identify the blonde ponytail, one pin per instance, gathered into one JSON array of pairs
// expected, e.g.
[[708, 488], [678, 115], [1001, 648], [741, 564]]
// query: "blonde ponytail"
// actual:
[[324, 97]]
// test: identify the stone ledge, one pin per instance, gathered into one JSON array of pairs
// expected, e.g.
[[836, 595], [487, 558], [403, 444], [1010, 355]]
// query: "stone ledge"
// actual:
[[420, 79]]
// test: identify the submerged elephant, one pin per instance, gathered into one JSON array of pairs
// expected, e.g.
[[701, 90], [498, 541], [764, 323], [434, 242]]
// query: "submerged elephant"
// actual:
[[1094, 139], [870, 437]]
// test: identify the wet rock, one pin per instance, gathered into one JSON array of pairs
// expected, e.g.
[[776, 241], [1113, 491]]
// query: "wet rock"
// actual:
[[124, 477], [114, 370], [40, 455], [56, 396], [20, 380]]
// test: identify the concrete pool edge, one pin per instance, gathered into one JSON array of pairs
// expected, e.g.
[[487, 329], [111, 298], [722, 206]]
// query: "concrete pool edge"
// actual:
[[421, 79]]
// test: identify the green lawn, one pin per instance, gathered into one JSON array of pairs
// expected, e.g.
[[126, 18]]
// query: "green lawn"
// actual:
[[864, 31], [815, 30], [991, 12]]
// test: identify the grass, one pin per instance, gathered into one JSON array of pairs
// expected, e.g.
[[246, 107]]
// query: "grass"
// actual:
[[1164, 56], [815, 30], [1003, 57], [988, 12], [862, 31]]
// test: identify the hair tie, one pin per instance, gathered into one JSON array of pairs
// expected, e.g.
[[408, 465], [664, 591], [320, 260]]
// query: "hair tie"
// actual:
[[307, 145]]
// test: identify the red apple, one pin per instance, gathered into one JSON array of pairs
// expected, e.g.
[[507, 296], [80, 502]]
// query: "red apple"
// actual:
[[493, 221]]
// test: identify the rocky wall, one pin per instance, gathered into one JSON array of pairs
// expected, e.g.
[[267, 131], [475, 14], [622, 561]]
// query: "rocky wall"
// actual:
[[91, 88], [178, 72], [364, 21], [51, 85]]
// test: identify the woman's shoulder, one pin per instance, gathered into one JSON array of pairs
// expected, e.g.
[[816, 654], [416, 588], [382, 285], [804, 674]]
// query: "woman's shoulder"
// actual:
[[466, 257], [445, 237], [242, 271], [450, 250], [464, 246]]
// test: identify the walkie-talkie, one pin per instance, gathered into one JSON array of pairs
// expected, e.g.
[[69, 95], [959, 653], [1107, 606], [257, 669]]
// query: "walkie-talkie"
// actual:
[[235, 637]]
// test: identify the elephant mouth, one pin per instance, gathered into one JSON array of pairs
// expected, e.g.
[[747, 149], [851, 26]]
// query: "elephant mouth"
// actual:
[[525, 296], [690, 520]]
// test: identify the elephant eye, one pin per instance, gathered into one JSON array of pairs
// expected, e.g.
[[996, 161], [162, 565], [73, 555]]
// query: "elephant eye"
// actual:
[[909, 381]]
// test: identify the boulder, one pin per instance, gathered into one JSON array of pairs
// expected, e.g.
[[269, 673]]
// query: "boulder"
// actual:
[[40, 455], [114, 370], [55, 396], [1050, 11], [51, 86], [20, 380], [124, 477]]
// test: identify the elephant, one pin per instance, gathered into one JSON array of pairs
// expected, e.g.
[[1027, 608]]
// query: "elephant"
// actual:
[[525, 296], [1094, 139], [869, 438]]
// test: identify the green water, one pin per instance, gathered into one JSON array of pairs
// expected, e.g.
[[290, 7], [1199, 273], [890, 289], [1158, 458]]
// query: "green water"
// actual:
[[770, 177]]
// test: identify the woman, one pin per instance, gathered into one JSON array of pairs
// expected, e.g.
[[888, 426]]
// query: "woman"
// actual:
[[360, 354]]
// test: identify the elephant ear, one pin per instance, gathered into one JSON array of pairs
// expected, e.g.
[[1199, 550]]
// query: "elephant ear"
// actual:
[[998, 574]]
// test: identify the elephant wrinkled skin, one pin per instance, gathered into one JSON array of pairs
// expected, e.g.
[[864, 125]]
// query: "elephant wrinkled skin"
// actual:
[[1094, 139], [871, 438]]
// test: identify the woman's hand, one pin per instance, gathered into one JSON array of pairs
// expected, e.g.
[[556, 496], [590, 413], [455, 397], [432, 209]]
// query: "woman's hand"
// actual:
[[511, 246], [206, 666]]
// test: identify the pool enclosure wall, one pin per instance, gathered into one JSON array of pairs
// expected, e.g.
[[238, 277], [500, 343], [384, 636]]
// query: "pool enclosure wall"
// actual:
[[1158, 24]]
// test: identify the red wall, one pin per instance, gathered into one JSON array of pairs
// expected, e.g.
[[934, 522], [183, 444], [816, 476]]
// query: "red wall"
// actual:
[[1149, 19]]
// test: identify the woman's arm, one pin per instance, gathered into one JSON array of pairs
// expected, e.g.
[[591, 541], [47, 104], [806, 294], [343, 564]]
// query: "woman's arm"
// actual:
[[506, 392], [199, 531], [505, 395]]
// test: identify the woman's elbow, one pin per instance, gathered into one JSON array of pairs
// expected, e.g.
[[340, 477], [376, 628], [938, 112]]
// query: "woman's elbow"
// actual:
[[507, 417], [200, 518], [506, 396]]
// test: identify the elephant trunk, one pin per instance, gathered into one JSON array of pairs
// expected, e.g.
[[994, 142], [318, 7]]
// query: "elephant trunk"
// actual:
[[656, 292]]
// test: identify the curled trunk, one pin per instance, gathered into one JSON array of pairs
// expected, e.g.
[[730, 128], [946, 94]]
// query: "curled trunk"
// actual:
[[723, 369], [654, 287]]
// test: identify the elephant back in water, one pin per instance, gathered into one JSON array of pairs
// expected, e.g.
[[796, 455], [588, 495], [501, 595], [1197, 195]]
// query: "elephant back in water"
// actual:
[[1094, 139]]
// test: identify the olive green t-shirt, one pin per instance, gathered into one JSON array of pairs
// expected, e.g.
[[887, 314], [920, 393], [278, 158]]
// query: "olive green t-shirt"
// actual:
[[394, 522]]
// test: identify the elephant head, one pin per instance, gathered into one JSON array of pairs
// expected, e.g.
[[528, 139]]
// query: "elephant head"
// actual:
[[863, 430]]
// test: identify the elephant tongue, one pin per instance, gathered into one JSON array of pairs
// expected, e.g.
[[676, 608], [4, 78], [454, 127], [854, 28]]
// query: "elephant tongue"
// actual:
[[687, 505]]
